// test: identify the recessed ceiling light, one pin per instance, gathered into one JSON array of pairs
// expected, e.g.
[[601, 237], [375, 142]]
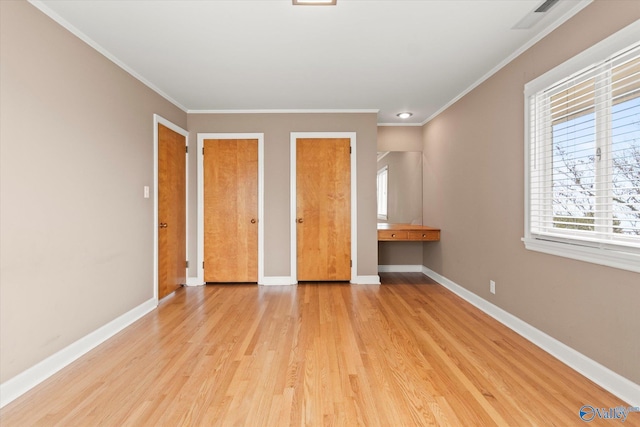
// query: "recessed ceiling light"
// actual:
[[314, 2], [404, 115]]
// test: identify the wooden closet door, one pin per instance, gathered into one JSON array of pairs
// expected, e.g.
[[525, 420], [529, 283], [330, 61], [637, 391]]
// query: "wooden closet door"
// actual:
[[172, 220], [323, 206], [230, 210]]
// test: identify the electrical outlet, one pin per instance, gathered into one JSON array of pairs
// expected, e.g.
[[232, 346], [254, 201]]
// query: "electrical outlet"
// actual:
[[492, 286]]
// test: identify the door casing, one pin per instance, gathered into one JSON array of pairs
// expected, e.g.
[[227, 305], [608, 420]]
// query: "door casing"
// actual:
[[159, 120], [200, 237], [354, 199]]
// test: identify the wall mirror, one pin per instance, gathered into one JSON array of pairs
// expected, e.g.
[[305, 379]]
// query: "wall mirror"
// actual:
[[399, 187]]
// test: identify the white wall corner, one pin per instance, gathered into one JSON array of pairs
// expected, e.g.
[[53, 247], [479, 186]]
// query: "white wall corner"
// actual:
[[367, 280], [194, 281], [277, 281], [615, 383], [25, 381]]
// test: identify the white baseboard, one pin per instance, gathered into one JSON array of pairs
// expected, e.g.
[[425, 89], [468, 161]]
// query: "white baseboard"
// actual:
[[366, 280], [618, 385], [277, 281], [25, 381], [615, 383], [399, 269], [194, 281]]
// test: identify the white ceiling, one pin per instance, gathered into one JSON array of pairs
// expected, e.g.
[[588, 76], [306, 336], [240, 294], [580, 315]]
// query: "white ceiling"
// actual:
[[381, 55]]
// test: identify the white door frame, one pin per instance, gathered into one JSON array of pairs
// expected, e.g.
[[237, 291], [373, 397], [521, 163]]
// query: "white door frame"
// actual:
[[354, 200], [260, 138], [159, 120]]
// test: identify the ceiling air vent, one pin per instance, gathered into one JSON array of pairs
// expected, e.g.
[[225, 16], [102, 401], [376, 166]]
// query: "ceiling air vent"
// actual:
[[546, 6], [534, 16]]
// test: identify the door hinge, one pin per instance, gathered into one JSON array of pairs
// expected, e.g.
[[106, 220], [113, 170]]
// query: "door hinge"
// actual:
[[203, 151], [186, 264], [186, 149], [350, 263], [203, 264], [349, 149]]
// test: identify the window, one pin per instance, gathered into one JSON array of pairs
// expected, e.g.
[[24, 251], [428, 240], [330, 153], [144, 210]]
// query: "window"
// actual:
[[383, 185], [583, 159]]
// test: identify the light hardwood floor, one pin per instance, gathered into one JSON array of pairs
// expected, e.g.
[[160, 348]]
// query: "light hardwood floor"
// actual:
[[406, 353]]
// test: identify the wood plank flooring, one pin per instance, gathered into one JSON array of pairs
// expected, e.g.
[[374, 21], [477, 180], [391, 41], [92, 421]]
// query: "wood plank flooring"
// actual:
[[406, 353]]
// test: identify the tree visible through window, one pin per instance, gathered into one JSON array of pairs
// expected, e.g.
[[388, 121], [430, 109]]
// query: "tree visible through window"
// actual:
[[583, 155], [625, 147], [577, 159]]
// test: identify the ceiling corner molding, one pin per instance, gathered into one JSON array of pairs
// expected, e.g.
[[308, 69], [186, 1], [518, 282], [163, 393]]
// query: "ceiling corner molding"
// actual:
[[546, 31], [104, 52], [286, 111]]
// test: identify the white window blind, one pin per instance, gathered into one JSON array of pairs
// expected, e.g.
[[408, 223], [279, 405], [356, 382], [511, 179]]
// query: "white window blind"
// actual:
[[583, 159]]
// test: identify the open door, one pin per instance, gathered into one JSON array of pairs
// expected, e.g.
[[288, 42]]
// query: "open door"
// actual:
[[172, 217]]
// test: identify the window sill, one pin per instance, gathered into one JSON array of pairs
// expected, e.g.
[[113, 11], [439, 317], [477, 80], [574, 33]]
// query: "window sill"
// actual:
[[611, 258]]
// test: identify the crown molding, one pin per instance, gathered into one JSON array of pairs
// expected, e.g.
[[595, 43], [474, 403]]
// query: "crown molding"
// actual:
[[546, 31], [40, 5], [88, 40], [400, 124], [286, 111]]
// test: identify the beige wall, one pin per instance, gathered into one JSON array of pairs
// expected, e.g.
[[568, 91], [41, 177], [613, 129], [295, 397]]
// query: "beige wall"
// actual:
[[76, 145], [277, 129], [474, 191], [399, 138]]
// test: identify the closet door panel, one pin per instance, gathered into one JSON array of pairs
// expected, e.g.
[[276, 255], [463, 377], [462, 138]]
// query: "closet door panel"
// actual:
[[230, 210], [323, 207]]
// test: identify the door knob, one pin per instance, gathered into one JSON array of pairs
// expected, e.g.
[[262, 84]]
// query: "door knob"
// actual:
[[163, 225], [253, 220], [300, 221]]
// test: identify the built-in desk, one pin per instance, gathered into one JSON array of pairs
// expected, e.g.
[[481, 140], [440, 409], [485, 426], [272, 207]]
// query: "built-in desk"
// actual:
[[407, 233]]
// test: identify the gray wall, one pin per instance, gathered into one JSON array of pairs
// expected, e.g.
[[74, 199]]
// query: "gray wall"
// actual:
[[277, 129], [474, 191], [76, 149]]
